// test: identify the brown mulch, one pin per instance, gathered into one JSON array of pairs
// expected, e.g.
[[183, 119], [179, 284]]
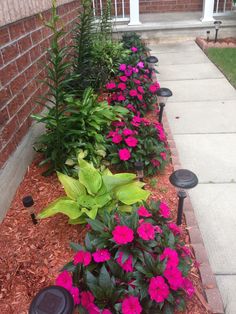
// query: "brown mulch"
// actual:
[[228, 42]]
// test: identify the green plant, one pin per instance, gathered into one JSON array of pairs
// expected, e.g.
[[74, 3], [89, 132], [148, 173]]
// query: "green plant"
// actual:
[[130, 264], [93, 192], [51, 144]]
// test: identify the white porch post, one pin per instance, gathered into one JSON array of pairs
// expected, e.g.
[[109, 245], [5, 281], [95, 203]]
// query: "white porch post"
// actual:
[[208, 9], [134, 12]]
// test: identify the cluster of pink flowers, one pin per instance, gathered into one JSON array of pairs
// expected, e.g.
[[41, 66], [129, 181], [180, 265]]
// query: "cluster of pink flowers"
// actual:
[[64, 280], [85, 258]]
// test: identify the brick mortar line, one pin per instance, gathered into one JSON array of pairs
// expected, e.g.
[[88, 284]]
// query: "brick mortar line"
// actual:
[[209, 284]]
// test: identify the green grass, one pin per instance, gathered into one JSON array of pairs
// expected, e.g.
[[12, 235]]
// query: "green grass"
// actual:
[[225, 60]]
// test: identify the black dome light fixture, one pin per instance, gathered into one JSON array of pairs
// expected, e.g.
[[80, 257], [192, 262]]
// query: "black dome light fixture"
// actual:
[[52, 300], [162, 96], [217, 27], [28, 203], [182, 179], [151, 61]]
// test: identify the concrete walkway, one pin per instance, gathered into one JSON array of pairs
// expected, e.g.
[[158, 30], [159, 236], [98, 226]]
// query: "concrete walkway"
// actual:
[[202, 117]]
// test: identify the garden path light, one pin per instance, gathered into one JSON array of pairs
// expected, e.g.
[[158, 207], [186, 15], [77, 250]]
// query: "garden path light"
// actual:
[[162, 95]]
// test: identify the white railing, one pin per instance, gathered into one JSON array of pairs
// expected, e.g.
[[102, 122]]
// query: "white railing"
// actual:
[[119, 10], [221, 7]]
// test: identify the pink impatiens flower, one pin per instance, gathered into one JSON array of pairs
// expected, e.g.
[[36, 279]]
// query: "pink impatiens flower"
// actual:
[[143, 212], [131, 141], [128, 72], [131, 108], [75, 294], [136, 121], [86, 298], [101, 255], [131, 305], [136, 81], [163, 155], [82, 257], [124, 154], [146, 231], [140, 90], [127, 132], [140, 97], [158, 289], [122, 86], [127, 265], [154, 87], [64, 280], [164, 210], [106, 311], [123, 235], [174, 277], [123, 78], [155, 162], [174, 228], [134, 49], [140, 65], [133, 93], [122, 67], [121, 97], [172, 257], [111, 85], [188, 287], [117, 138]]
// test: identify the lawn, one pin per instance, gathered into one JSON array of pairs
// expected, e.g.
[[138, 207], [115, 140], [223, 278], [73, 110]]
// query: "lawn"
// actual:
[[225, 59]]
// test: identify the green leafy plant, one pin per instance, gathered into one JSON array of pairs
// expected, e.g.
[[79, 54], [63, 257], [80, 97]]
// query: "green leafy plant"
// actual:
[[93, 192], [57, 79], [130, 264]]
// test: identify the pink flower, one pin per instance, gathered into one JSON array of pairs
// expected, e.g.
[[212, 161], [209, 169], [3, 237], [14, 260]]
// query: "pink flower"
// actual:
[[164, 210], [146, 231], [134, 49], [140, 97], [123, 235], [117, 138], [135, 70], [127, 132], [111, 85], [158, 229], [128, 72], [174, 277], [158, 289], [136, 81], [127, 265], [131, 141], [131, 108], [174, 228], [118, 124], [124, 154], [131, 305], [154, 87], [122, 86], [75, 294], [82, 257], [123, 78], [122, 67], [163, 155], [136, 121], [140, 65], [188, 287], [101, 256], [155, 162], [93, 309], [172, 257], [121, 97], [64, 280], [86, 298], [143, 212], [185, 251], [105, 311], [133, 93], [140, 90]]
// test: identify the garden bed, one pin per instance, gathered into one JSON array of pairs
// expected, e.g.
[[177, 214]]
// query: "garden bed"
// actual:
[[32, 255]]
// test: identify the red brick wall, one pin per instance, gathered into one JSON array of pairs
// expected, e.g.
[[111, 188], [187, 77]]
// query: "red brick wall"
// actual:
[[22, 49], [158, 6]]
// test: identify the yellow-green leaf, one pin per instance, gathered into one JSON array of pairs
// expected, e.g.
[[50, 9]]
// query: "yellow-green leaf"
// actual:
[[89, 177], [72, 187], [131, 193]]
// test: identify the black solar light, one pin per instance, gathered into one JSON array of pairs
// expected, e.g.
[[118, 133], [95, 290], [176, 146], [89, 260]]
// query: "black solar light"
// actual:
[[151, 61], [162, 95], [139, 170], [217, 27], [208, 35], [182, 179], [52, 300], [28, 203]]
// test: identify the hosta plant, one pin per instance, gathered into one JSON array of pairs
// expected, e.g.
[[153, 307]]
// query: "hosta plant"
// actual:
[[138, 140], [93, 192], [130, 264]]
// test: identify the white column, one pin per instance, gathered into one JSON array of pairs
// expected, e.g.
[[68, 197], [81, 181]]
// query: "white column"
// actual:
[[208, 9], [134, 12]]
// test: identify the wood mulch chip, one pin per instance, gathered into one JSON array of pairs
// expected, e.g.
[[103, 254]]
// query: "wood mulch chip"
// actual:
[[32, 255]]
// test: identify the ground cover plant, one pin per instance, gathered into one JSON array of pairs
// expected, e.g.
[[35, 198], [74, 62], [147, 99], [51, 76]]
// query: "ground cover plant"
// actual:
[[225, 60], [130, 264]]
